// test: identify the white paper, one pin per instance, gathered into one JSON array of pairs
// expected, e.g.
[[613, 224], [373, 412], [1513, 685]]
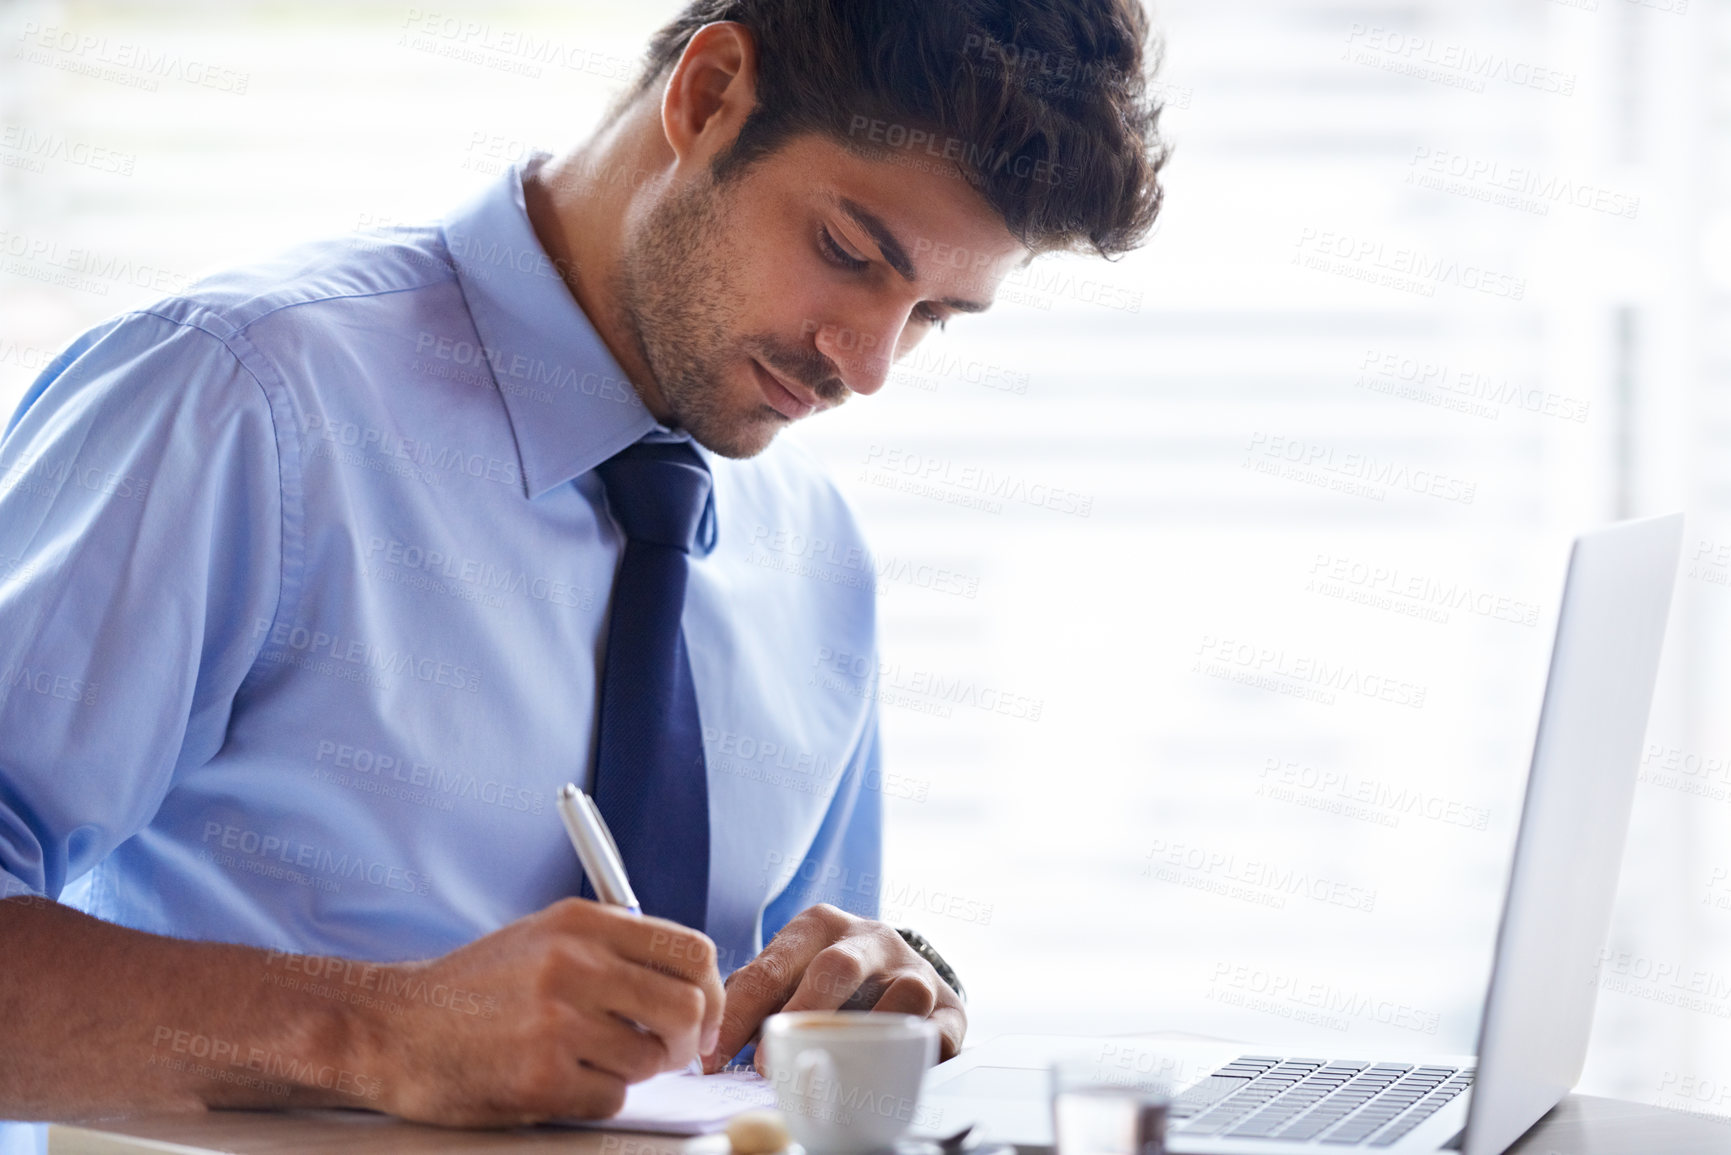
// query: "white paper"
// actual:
[[680, 1103]]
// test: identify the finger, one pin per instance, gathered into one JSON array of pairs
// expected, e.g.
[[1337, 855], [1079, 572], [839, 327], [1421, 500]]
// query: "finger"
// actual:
[[653, 942], [909, 994], [838, 971], [599, 1094], [714, 1006], [761, 987], [614, 1047], [686, 954], [754, 991], [548, 1077], [665, 948], [952, 1023], [669, 1008]]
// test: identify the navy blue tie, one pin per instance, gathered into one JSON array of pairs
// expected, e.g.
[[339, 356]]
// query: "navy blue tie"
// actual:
[[650, 781]]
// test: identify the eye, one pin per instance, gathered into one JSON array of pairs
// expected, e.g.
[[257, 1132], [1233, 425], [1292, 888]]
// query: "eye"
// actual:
[[835, 254], [930, 315]]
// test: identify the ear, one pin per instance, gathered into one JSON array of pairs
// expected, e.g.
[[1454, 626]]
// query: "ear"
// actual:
[[712, 90]]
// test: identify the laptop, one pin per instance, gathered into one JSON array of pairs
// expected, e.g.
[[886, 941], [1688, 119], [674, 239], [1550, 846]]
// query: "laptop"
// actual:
[[1230, 1099]]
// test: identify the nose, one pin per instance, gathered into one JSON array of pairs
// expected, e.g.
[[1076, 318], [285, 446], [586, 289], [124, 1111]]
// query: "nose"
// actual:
[[862, 352]]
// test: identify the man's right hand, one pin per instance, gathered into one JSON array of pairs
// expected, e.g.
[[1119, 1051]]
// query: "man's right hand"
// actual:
[[552, 1015], [557, 1013]]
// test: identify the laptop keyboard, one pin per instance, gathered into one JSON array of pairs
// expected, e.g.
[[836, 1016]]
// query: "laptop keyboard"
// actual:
[[1352, 1103]]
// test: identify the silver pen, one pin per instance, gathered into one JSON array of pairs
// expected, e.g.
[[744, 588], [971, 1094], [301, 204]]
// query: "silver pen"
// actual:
[[601, 861], [595, 848]]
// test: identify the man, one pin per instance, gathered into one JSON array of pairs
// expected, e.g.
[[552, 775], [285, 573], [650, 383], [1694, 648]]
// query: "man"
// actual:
[[321, 578]]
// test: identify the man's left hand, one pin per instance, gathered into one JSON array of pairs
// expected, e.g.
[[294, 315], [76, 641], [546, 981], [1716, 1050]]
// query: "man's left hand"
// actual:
[[826, 959]]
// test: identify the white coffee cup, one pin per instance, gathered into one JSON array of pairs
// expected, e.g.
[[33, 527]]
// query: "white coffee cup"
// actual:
[[848, 1081]]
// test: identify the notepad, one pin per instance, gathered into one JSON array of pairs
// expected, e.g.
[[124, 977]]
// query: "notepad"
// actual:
[[678, 1103]]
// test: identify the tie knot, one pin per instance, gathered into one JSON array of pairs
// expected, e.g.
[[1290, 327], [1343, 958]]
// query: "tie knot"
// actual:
[[658, 491]]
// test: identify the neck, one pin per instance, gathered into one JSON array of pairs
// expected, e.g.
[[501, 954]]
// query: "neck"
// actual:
[[584, 205]]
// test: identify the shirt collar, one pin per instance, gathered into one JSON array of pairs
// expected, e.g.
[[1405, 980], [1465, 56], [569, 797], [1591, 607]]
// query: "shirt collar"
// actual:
[[570, 405]]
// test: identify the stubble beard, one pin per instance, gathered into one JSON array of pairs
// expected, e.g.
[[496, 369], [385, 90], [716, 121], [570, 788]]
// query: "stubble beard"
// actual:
[[680, 304]]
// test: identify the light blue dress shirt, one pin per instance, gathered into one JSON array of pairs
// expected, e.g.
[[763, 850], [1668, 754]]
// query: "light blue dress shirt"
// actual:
[[304, 579]]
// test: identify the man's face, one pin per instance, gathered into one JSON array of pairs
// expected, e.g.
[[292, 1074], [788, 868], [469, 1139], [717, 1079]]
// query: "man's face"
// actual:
[[798, 281]]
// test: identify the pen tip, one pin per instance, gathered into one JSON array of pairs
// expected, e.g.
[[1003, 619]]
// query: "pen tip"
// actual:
[[569, 790]]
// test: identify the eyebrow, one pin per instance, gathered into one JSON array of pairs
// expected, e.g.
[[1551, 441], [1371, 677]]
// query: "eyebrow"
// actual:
[[895, 255]]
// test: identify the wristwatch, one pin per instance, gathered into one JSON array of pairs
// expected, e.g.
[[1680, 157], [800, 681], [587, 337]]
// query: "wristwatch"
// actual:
[[926, 951]]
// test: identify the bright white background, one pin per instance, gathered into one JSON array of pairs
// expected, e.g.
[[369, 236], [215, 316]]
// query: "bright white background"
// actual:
[[1071, 865]]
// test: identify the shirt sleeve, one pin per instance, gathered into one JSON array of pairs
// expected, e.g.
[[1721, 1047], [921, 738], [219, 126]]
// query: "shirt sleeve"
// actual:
[[844, 866], [140, 546]]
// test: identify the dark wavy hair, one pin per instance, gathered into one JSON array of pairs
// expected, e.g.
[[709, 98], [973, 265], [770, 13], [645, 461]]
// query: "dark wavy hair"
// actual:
[[1044, 106]]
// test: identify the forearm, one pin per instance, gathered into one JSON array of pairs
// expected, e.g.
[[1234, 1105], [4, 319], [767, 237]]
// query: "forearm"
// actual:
[[96, 1018]]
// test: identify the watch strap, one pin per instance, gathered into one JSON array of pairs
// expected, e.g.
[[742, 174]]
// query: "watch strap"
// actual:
[[926, 951]]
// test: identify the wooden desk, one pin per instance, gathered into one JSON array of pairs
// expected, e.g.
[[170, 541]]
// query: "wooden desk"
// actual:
[[347, 1132], [1580, 1125]]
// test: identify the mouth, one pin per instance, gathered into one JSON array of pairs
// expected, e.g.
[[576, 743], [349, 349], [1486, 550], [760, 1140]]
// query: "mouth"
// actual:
[[786, 398]]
